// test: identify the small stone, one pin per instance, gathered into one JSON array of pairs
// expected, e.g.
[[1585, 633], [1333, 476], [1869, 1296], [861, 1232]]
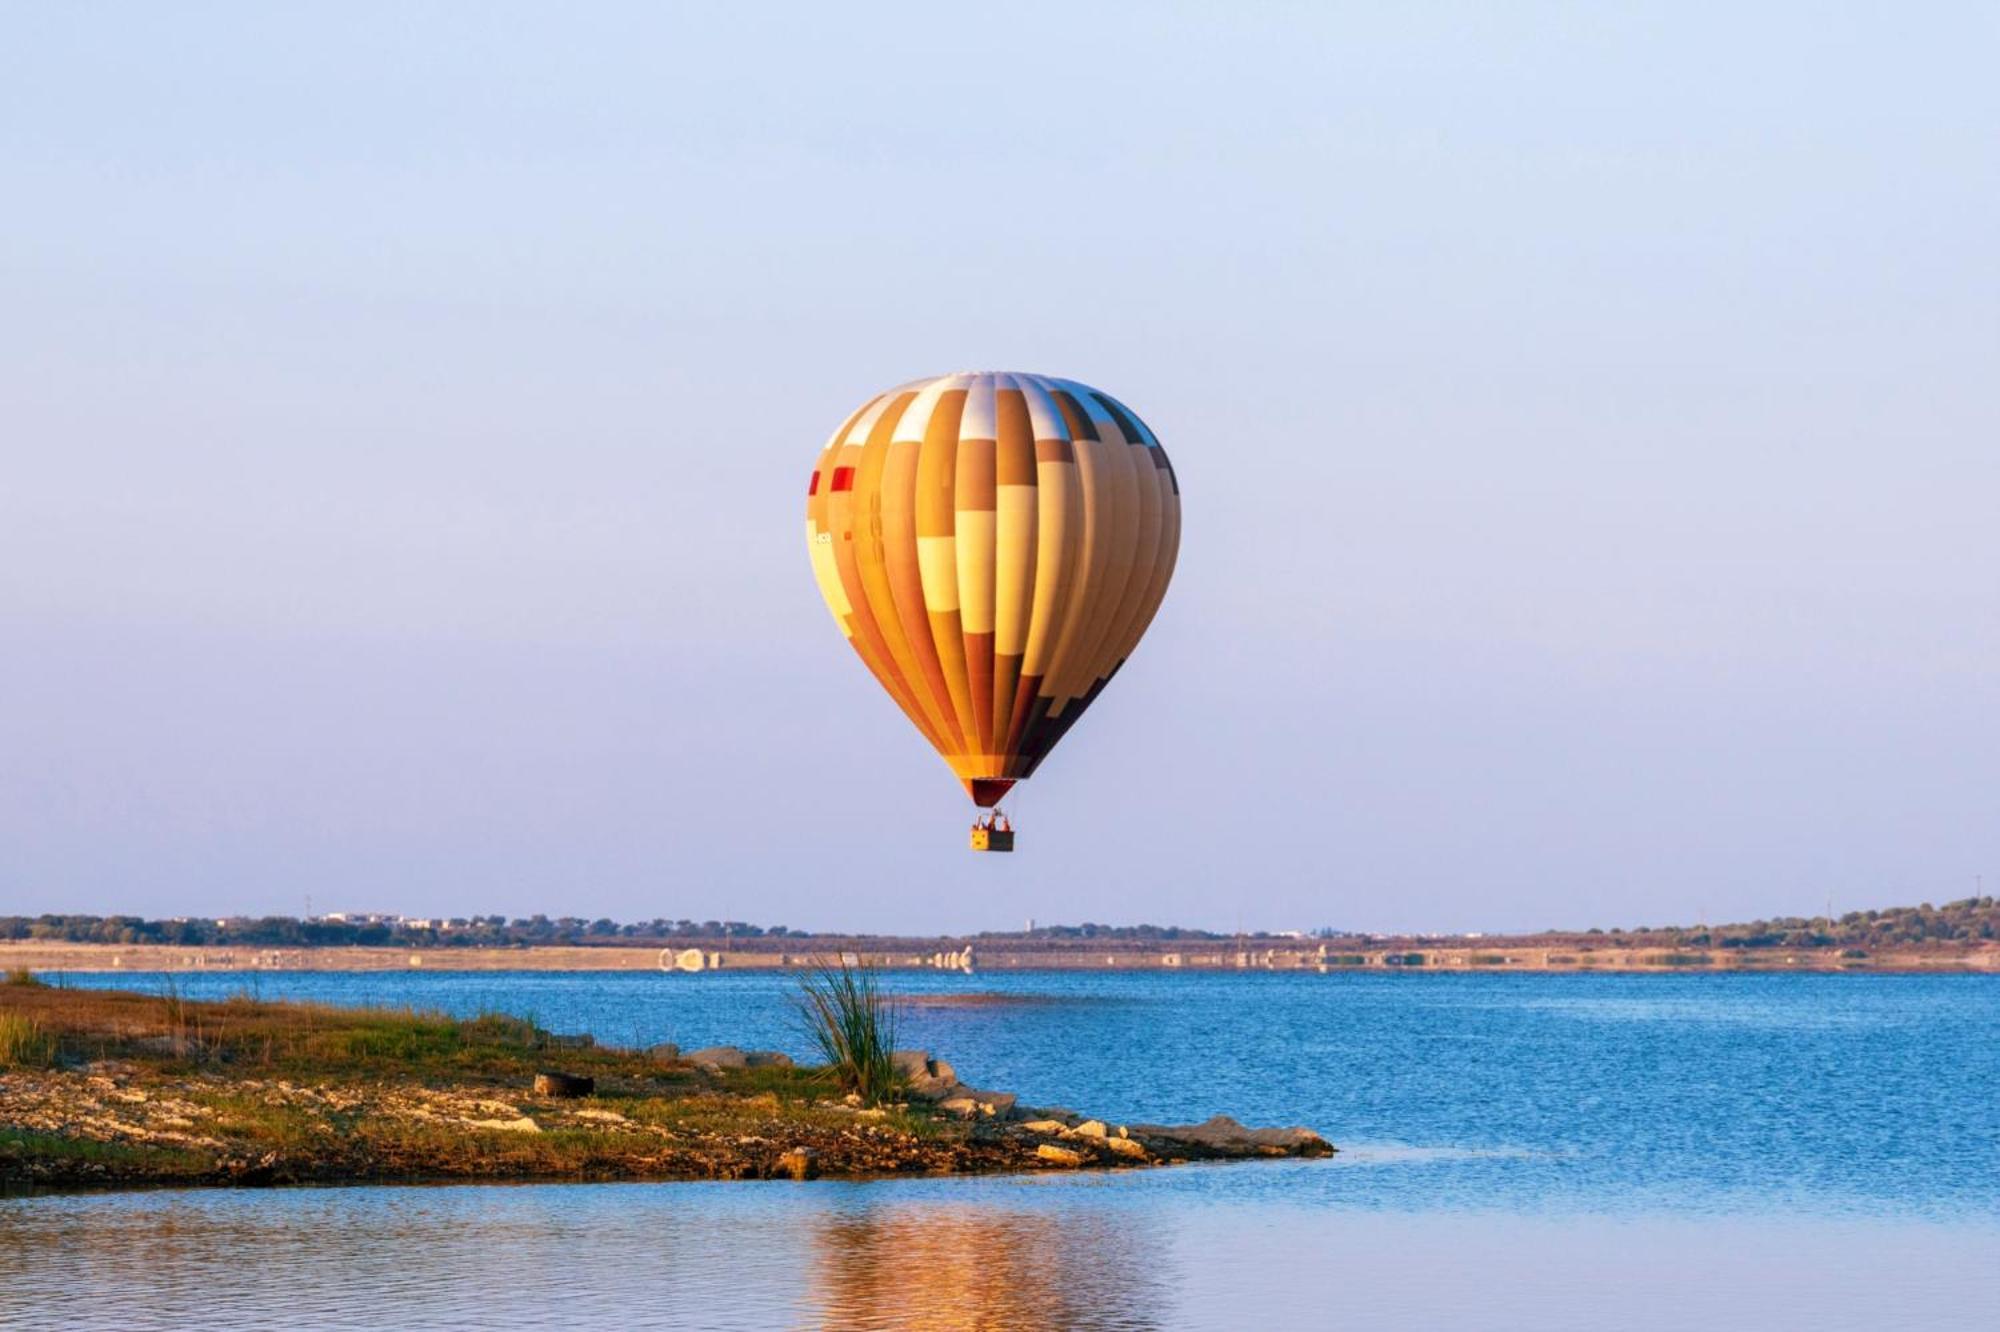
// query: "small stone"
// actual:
[[717, 1057], [1092, 1128], [1127, 1148], [1062, 1156], [1045, 1126], [666, 1052], [767, 1059], [801, 1163]]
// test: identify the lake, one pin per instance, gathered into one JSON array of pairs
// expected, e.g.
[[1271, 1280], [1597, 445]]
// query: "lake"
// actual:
[[1536, 1151]]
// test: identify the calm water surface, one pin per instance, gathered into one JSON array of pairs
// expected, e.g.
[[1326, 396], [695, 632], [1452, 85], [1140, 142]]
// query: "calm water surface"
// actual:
[[1518, 1151]]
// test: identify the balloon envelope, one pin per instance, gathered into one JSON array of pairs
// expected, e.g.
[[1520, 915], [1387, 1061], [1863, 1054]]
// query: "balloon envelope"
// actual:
[[993, 545]]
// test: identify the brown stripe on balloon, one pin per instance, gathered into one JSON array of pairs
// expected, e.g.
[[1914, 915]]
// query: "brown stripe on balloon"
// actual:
[[979, 685], [1025, 694], [906, 583], [872, 554], [950, 640], [1006, 686], [841, 515], [937, 464], [867, 639], [974, 479], [1015, 432], [1015, 541], [1054, 451], [973, 502]]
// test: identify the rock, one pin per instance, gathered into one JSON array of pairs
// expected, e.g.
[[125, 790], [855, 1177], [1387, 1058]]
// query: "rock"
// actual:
[[1045, 1126], [1225, 1136], [801, 1163], [1062, 1156], [666, 1052], [582, 1041], [522, 1125], [971, 1101], [716, 1057], [1126, 1148], [1092, 1128], [549, 1083], [767, 1059], [928, 1078]]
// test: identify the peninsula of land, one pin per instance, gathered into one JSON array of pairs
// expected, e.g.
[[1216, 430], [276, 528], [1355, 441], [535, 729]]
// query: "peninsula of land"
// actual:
[[110, 1088]]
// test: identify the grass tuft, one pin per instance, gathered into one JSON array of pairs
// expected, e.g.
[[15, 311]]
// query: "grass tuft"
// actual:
[[25, 1042], [852, 1023], [25, 978]]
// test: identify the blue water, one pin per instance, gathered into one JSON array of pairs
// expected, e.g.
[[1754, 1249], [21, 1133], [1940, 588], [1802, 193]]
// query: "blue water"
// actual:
[[1831, 1094], [1519, 1151]]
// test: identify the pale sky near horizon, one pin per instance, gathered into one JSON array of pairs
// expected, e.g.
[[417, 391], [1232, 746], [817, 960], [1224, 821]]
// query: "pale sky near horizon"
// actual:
[[1586, 415]]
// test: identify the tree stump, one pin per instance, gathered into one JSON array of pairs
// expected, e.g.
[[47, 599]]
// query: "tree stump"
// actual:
[[548, 1083]]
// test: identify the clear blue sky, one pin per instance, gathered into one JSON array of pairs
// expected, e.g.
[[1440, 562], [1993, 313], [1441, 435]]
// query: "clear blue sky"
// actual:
[[1587, 416]]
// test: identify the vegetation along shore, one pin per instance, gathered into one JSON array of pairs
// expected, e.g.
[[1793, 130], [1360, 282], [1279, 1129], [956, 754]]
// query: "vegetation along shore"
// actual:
[[1958, 936], [113, 1088]]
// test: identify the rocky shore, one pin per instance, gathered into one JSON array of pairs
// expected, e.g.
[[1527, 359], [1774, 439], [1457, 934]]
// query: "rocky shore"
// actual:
[[131, 1089]]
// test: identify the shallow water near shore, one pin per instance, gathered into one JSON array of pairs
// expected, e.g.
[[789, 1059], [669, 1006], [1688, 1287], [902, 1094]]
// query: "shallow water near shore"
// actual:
[[1517, 1151]]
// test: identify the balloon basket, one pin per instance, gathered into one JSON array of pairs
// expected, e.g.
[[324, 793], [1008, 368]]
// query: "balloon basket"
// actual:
[[992, 833]]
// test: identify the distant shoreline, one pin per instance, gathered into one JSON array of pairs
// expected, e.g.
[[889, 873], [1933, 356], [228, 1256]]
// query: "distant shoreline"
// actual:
[[950, 956]]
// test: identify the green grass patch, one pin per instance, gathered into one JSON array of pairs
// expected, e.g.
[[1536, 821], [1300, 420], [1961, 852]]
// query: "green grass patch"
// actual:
[[25, 1042], [852, 1023]]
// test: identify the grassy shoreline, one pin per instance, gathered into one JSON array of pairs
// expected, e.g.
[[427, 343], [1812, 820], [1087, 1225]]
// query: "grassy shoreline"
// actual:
[[115, 1088]]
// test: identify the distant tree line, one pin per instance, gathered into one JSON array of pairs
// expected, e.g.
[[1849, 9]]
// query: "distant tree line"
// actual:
[[290, 932], [1968, 920], [1092, 930]]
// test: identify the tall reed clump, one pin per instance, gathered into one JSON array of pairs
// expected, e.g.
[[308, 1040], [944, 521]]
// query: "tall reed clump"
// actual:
[[25, 978], [25, 1042], [852, 1023]]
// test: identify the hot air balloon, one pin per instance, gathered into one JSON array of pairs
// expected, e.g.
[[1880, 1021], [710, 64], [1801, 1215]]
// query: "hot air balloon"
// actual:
[[993, 546]]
